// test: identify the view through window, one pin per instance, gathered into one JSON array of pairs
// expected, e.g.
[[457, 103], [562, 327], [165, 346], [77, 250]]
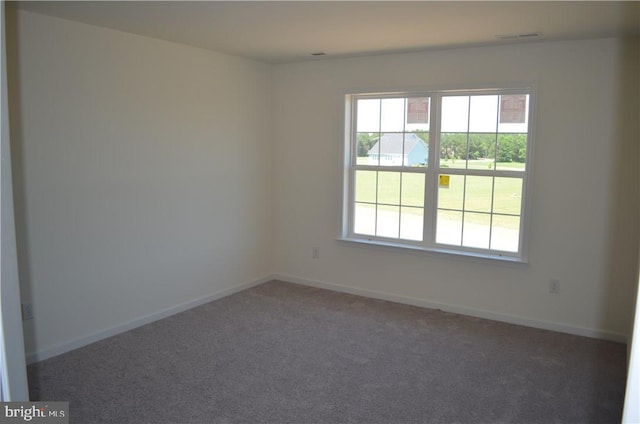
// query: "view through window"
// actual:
[[443, 171]]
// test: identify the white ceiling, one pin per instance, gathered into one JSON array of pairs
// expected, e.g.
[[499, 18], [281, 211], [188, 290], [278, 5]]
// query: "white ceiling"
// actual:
[[279, 32]]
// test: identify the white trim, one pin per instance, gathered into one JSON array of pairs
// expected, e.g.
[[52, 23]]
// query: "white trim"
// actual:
[[138, 322], [408, 246], [462, 310]]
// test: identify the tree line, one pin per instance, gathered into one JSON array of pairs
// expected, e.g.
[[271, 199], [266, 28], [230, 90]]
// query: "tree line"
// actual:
[[502, 147]]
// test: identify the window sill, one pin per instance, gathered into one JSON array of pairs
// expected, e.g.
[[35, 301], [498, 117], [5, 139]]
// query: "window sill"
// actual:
[[460, 254]]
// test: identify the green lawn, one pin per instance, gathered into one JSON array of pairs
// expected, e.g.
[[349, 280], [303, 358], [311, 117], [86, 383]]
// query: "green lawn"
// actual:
[[474, 193], [462, 164], [490, 204], [481, 164]]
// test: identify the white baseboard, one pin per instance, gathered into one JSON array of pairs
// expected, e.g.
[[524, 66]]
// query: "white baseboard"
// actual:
[[496, 316], [138, 322], [462, 310]]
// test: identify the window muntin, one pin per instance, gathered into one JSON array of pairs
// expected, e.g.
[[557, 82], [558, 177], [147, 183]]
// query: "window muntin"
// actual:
[[391, 146], [389, 204], [471, 198], [482, 211], [392, 131], [483, 140]]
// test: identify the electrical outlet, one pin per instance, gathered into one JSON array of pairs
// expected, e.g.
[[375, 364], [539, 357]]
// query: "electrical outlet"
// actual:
[[27, 311], [554, 286], [315, 253]]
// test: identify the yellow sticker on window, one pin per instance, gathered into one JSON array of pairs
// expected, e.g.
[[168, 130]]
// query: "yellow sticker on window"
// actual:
[[443, 181]]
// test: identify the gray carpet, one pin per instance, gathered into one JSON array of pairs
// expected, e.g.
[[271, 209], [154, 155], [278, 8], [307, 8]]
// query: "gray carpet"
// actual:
[[284, 353]]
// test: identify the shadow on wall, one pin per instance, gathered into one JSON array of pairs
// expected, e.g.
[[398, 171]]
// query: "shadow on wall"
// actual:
[[17, 163], [623, 243]]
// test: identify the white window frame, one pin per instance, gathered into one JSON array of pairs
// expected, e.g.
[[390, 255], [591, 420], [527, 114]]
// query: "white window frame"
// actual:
[[432, 171]]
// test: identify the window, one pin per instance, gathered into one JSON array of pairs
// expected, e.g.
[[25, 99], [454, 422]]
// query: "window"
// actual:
[[443, 170]]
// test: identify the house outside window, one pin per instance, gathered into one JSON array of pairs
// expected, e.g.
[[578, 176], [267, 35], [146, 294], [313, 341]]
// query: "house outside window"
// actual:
[[439, 170], [397, 149]]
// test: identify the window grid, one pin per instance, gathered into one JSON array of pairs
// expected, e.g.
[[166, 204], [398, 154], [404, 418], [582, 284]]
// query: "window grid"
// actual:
[[466, 211], [400, 168], [429, 232], [491, 213]]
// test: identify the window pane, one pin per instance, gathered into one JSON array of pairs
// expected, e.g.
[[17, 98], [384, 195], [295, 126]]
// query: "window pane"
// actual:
[[482, 151], [453, 150], [368, 116], [450, 197], [366, 186], [424, 136], [368, 149], [391, 149], [455, 114], [514, 113], [412, 189], [507, 196], [483, 114], [476, 230], [511, 152], [416, 150], [365, 219], [418, 110], [389, 188], [478, 194], [449, 228], [505, 233], [411, 223], [388, 221], [392, 118]]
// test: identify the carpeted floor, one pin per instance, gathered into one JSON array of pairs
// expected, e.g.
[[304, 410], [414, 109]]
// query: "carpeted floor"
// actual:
[[283, 353]]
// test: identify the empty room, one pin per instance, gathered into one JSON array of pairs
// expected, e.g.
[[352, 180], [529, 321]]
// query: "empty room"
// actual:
[[320, 212]]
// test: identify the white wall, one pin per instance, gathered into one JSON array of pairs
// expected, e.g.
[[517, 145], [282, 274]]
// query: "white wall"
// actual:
[[149, 174], [631, 413], [143, 175], [13, 381], [584, 227]]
